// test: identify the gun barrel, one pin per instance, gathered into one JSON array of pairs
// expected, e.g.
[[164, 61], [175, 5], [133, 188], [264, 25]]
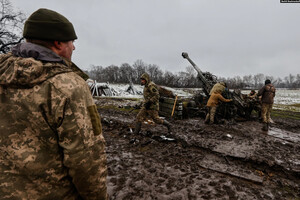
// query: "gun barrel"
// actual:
[[206, 86], [186, 56]]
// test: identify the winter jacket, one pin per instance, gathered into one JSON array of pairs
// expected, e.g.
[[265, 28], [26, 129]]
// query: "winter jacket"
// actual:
[[214, 99], [151, 93], [268, 93], [51, 142], [218, 88]]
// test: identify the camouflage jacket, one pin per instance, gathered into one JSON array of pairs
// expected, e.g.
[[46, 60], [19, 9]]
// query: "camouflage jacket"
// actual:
[[151, 93], [268, 93], [51, 142]]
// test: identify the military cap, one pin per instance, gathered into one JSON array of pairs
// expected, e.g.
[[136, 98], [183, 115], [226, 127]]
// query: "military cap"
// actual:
[[267, 81], [47, 24]]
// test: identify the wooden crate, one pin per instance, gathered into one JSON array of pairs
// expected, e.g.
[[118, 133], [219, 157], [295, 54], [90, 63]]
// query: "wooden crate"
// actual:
[[166, 108]]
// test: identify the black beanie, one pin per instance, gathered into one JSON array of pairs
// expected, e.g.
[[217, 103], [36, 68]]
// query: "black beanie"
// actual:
[[267, 81], [46, 24]]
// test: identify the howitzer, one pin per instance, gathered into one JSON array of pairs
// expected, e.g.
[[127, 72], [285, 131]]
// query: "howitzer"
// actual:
[[205, 84], [229, 110]]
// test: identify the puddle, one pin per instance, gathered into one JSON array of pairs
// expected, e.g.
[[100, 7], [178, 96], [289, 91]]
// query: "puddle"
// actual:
[[285, 135]]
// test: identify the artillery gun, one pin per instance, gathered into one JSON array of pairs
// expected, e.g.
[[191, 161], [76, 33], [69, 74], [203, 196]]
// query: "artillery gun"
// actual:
[[239, 106]]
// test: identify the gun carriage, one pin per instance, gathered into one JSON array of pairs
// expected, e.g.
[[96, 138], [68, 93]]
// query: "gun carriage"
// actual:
[[241, 105]]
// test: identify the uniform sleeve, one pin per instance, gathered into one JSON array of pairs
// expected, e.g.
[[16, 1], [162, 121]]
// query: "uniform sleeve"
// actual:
[[82, 142], [261, 91], [154, 93], [223, 99]]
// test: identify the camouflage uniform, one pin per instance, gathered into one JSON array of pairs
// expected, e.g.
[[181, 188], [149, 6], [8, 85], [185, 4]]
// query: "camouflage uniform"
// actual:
[[151, 96], [51, 139], [268, 93], [150, 105]]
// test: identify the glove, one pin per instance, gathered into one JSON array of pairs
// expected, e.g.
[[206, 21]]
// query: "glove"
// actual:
[[161, 100], [147, 105]]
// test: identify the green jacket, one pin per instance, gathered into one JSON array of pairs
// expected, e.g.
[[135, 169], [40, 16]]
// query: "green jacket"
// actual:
[[51, 142], [151, 93]]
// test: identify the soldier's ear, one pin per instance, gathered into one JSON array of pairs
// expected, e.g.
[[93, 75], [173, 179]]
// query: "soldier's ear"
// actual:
[[57, 45]]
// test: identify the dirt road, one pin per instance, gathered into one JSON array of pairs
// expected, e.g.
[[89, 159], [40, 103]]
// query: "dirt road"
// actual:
[[198, 161]]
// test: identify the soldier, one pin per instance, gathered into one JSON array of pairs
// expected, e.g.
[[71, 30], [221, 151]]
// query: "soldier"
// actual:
[[212, 105], [252, 94], [51, 139], [218, 88], [268, 93], [150, 104]]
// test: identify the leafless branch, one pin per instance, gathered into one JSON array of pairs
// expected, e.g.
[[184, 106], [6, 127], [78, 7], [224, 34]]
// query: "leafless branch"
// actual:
[[11, 25]]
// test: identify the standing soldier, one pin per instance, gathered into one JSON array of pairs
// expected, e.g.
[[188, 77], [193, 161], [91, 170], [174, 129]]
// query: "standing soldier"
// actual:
[[51, 142], [150, 104], [218, 88], [212, 105], [268, 93]]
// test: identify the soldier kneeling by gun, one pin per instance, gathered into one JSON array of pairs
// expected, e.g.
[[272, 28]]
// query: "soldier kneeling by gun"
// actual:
[[150, 105], [212, 105]]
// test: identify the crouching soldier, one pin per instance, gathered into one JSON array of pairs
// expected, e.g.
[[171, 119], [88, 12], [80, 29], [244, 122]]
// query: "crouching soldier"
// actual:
[[150, 105], [212, 105]]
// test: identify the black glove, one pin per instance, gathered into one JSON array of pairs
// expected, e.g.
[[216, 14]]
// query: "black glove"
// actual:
[[161, 100], [147, 105]]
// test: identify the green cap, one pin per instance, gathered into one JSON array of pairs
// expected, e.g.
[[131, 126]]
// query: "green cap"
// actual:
[[45, 24]]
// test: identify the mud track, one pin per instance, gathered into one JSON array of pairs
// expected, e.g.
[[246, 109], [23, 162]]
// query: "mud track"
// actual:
[[200, 161]]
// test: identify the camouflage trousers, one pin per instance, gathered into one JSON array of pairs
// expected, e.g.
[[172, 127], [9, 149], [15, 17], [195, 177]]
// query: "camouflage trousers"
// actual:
[[210, 117], [153, 114], [266, 112]]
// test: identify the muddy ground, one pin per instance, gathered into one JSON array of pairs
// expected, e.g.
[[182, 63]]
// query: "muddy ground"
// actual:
[[198, 161]]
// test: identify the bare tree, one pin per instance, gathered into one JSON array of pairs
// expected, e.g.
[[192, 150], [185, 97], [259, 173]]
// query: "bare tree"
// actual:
[[140, 67], [247, 79], [298, 81], [258, 80], [11, 25], [96, 73], [126, 73]]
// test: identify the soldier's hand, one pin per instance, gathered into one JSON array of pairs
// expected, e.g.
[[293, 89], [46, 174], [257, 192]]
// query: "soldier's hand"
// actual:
[[147, 105], [161, 100]]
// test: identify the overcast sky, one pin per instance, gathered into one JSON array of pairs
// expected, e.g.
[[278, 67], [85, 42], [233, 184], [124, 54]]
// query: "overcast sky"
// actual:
[[224, 37]]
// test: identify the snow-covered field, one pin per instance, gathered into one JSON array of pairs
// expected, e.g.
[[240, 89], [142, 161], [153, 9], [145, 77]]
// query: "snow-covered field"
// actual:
[[284, 98], [121, 91]]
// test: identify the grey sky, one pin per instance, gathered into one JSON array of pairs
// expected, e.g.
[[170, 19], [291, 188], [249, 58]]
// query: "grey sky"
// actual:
[[225, 37]]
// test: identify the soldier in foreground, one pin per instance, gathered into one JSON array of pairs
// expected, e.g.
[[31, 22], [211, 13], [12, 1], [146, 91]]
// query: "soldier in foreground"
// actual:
[[268, 93], [212, 105], [150, 105], [51, 139]]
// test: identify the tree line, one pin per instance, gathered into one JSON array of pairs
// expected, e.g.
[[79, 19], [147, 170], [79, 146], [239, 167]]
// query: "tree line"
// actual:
[[125, 73], [12, 22]]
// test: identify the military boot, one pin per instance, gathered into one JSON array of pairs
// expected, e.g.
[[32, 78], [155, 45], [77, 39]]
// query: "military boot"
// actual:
[[137, 128], [168, 125], [206, 121], [265, 127]]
